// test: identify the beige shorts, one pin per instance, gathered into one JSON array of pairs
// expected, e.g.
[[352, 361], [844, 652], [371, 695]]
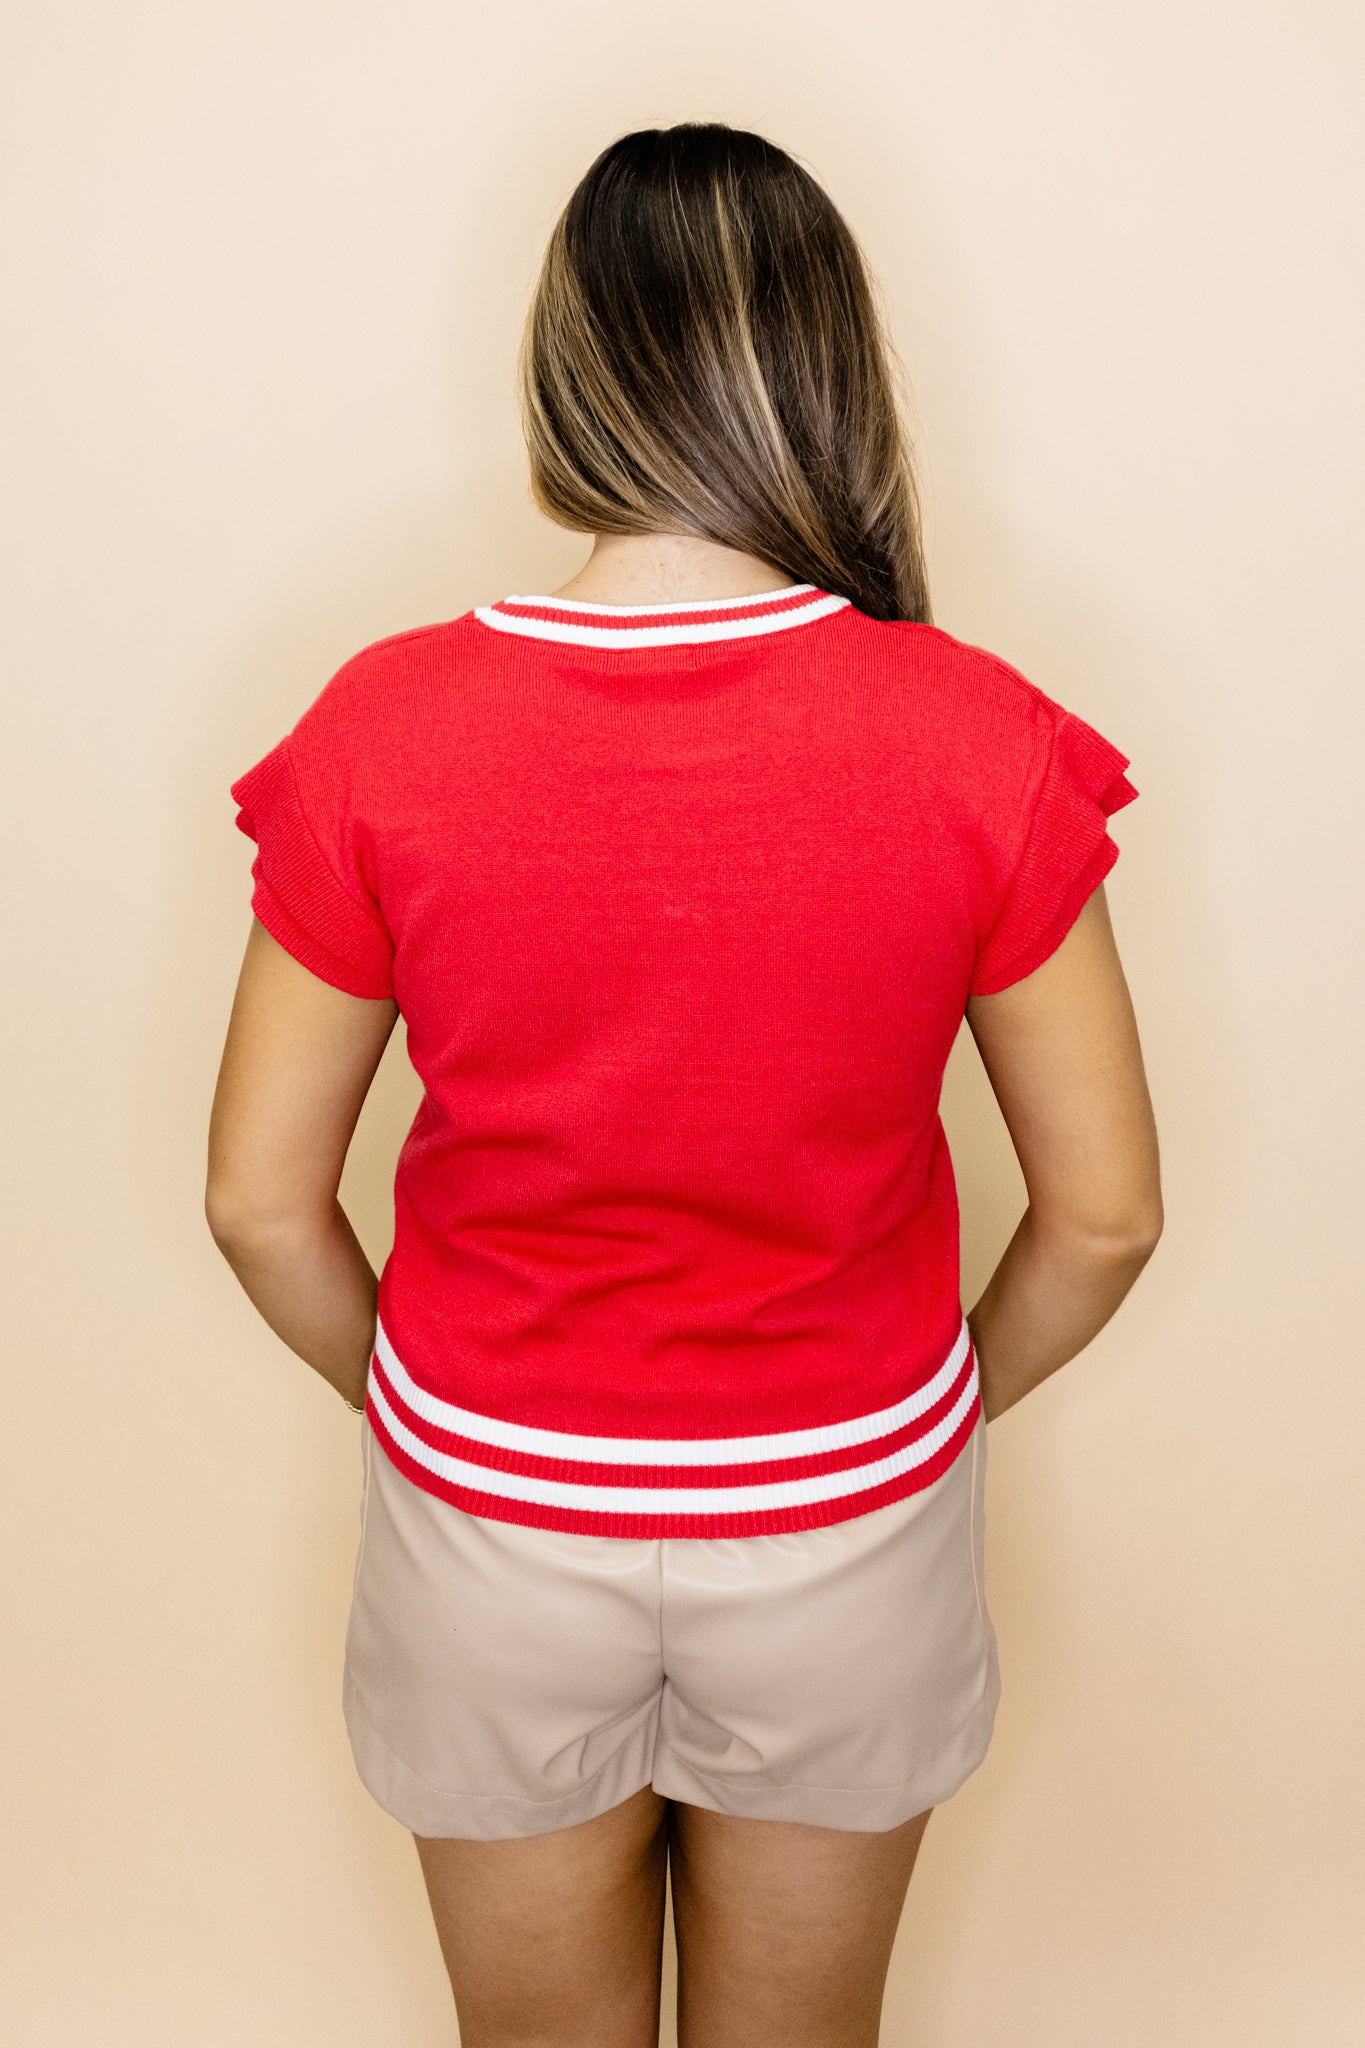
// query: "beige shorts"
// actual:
[[502, 1680]]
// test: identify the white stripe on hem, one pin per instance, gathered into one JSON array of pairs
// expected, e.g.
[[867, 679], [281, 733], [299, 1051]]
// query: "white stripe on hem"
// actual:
[[624, 1450], [670, 1500]]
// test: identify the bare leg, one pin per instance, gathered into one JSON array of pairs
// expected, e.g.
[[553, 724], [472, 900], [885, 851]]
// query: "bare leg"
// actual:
[[556, 1938], [784, 1931]]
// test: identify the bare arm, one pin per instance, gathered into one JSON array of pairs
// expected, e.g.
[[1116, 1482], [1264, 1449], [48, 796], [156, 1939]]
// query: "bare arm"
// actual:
[[1061, 1051], [298, 1062]]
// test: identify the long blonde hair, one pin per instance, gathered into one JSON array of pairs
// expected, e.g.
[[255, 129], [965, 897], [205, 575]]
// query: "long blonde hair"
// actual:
[[703, 354]]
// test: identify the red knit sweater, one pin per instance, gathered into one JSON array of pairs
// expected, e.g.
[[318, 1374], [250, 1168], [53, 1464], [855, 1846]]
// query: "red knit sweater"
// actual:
[[682, 906]]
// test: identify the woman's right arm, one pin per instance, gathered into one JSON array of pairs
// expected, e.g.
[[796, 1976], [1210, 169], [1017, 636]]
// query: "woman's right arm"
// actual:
[[1060, 1048], [298, 1062]]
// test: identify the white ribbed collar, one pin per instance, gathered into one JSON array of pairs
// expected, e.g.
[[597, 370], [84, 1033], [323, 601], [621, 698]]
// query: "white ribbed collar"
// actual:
[[660, 625]]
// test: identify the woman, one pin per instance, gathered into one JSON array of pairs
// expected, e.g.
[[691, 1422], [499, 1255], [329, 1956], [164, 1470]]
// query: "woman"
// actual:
[[683, 878]]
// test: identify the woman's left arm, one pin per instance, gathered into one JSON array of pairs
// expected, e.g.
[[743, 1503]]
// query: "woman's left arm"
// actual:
[[298, 1063]]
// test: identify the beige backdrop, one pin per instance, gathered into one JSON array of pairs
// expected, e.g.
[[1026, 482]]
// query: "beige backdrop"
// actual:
[[269, 263]]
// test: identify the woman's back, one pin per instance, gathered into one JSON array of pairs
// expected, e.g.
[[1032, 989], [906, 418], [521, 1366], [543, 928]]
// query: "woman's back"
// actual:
[[682, 908]]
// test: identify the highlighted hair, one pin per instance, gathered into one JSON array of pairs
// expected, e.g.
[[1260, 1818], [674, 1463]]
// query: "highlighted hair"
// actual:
[[703, 355]]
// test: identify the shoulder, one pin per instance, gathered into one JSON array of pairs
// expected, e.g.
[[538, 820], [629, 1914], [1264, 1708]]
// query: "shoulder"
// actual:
[[956, 672], [1009, 751], [378, 704], [975, 719], [388, 676]]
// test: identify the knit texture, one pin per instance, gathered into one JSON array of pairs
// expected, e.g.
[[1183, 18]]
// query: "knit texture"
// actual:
[[682, 908]]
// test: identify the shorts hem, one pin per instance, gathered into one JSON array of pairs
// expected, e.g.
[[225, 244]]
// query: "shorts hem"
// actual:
[[485, 1816], [856, 1809]]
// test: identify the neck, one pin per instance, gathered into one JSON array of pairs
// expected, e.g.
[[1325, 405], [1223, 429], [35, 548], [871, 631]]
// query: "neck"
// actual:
[[668, 568]]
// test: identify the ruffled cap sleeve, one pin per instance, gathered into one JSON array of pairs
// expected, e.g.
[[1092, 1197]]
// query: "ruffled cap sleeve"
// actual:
[[1067, 853], [299, 896]]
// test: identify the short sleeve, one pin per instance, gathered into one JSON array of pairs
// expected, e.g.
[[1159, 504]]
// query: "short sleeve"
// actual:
[[1066, 854], [332, 926]]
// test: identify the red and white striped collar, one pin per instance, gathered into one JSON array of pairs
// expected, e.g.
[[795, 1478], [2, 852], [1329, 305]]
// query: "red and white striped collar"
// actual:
[[660, 625]]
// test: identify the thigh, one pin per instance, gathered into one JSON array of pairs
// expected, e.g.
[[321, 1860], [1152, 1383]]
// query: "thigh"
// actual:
[[556, 1937], [784, 1931]]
